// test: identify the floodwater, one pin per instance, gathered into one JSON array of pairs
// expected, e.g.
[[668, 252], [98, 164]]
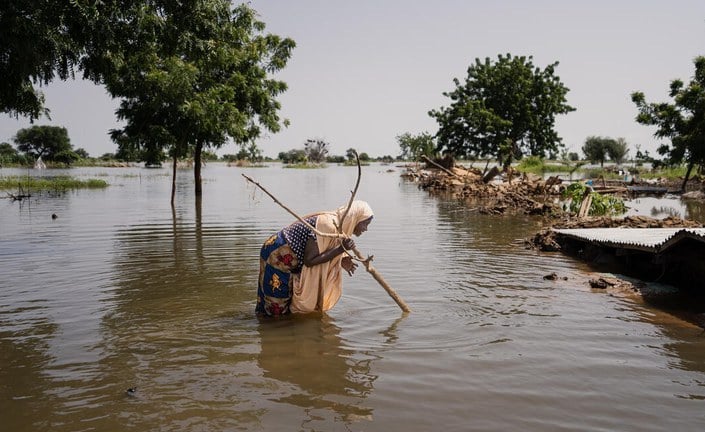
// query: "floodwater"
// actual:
[[118, 293]]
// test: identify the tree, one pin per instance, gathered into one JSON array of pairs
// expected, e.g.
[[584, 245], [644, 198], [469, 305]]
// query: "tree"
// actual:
[[503, 109], [292, 156], [316, 150], [250, 152], [47, 142], [8, 154], [39, 41], [414, 146], [617, 150], [82, 153], [190, 75], [683, 121], [595, 149], [350, 154]]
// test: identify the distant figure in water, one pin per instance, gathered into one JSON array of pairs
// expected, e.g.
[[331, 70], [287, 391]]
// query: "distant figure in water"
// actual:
[[297, 266]]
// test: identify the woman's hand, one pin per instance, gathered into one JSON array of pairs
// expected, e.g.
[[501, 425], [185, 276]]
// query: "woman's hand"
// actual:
[[348, 243], [348, 264]]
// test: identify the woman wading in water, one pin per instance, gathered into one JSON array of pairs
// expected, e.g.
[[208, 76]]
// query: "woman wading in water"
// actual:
[[299, 271]]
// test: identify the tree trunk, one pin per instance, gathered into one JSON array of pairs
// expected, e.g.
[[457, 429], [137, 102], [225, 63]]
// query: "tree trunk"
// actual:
[[687, 175], [490, 175], [197, 168], [173, 181]]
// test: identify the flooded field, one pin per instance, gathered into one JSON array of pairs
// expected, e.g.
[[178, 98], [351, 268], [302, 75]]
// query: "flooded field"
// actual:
[[121, 315]]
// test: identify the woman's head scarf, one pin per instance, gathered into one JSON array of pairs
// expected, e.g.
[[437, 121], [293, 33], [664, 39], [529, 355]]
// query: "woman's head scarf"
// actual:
[[359, 211]]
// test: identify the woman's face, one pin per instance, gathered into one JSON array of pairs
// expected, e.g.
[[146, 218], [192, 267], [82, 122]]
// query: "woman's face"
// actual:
[[361, 226]]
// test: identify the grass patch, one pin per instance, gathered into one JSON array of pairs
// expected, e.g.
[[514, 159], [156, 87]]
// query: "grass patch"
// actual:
[[670, 173], [50, 183], [304, 165], [538, 166], [599, 172]]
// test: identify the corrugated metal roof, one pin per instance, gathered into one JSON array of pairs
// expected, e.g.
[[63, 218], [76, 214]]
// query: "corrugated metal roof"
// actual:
[[647, 239]]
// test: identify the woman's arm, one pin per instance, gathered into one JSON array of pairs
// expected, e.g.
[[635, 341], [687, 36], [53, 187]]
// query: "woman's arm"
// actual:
[[312, 256]]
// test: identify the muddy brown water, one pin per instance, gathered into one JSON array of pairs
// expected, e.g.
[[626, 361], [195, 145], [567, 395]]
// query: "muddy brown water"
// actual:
[[117, 293]]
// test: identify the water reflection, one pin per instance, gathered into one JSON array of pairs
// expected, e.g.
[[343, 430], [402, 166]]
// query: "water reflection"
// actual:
[[24, 382], [661, 207], [309, 353], [695, 209]]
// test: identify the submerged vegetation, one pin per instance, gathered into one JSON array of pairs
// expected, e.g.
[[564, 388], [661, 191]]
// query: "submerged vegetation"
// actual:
[[58, 183]]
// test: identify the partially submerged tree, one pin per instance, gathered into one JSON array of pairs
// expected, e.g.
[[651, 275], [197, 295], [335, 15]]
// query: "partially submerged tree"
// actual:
[[292, 156], [503, 109], [683, 121], [191, 75], [316, 150]]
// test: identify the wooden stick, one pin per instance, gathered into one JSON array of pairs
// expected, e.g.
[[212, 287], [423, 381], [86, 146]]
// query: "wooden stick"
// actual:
[[352, 197], [367, 262]]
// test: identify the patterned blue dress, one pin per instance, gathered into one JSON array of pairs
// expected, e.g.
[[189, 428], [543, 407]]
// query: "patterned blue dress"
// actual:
[[281, 256]]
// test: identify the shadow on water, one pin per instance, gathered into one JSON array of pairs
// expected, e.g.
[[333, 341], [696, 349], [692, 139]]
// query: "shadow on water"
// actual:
[[308, 355], [24, 382]]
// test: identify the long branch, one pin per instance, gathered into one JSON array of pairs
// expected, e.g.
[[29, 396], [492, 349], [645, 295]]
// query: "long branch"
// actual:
[[352, 197], [311, 227]]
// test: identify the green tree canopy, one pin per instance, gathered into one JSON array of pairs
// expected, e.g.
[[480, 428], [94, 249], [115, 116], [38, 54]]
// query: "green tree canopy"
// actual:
[[682, 121], [618, 150], [292, 156], [595, 148], [190, 75], [6, 149], [52, 143], [39, 40], [250, 151], [599, 149], [82, 153], [503, 109], [414, 146]]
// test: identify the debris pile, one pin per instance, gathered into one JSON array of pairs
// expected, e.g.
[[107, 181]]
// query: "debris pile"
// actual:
[[512, 192]]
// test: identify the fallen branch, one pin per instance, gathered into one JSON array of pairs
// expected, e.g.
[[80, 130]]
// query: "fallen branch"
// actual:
[[444, 169]]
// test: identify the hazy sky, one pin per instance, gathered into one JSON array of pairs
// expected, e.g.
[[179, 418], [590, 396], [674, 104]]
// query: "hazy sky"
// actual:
[[366, 71]]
